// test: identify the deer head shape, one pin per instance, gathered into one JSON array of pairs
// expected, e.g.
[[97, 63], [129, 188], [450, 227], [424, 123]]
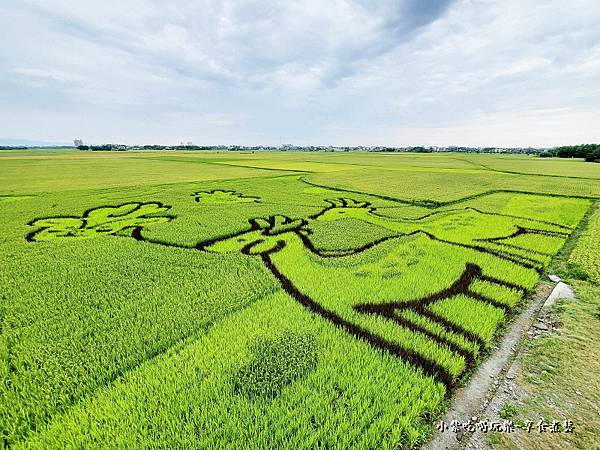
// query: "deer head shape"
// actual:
[[266, 235]]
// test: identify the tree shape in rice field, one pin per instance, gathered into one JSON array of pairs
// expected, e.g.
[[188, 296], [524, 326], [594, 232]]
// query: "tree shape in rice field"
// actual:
[[223, 197], [106, 220]]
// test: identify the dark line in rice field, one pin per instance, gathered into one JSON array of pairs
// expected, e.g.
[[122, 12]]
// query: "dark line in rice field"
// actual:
[[198, 195], [193, 160], [512, 172], [343, 203], [431, 204], [522, 231], [278, 225], [506, 284], [85, 222], [488, 300], [518, 247], [466, 208], [269, 168], [428, 366]]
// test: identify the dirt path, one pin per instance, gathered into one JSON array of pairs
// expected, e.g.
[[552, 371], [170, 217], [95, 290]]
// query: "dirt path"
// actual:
[[471, 401]]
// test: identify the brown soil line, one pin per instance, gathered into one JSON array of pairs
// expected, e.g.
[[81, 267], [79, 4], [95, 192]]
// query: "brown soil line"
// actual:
[[470, 401]]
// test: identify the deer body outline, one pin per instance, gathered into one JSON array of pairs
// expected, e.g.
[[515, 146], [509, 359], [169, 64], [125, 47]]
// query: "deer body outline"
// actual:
[[283, 244], [472, 226], [366, 299]]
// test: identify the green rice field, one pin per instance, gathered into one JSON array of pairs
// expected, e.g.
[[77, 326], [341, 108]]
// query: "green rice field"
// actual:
[[266, 300]]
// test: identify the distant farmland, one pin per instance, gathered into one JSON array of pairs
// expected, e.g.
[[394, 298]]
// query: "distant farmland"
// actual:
[[267, 300]]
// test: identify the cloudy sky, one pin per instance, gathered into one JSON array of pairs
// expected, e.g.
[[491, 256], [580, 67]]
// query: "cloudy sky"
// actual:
[[363, 72]]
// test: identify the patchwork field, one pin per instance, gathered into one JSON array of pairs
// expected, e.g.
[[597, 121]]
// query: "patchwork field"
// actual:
[[267, 300]]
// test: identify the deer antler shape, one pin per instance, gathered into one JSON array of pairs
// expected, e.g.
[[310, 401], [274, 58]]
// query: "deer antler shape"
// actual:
[[278, 224]]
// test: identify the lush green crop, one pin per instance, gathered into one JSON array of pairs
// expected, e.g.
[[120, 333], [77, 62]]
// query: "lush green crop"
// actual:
[[239, 301], [584, 262], [275, 364]]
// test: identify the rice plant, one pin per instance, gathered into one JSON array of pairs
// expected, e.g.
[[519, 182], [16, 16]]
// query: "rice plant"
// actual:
[[289, 301]]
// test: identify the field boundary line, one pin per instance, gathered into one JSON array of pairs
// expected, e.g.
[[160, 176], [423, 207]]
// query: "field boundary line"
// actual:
[[432, 204], [512, 172], [212, 163]]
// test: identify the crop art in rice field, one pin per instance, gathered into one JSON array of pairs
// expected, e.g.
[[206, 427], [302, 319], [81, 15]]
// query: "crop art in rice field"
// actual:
[[431, 292]]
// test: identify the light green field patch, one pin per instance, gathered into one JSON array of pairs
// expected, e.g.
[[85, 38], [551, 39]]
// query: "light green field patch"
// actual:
[[14, 198], [584, 261], [497, 292], [474, 316], [299, 166], [346, 233], [537, 242], [73, 171], [561, 210], [318, 190]]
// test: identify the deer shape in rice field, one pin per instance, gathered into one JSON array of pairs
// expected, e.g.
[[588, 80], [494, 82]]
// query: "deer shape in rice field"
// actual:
[[365, 291], [467, 226], [356, 296]]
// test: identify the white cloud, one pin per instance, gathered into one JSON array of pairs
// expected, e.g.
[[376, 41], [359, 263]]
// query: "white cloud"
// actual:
[[252, 71], [49, 74]]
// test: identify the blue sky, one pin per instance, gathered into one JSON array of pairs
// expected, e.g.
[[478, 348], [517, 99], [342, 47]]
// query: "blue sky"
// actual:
[[364, 72]]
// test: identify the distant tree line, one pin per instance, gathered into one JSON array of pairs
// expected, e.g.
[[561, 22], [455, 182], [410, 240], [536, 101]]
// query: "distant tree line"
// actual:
[[103, 147], [590, 152], [123, 148], [418, 149]]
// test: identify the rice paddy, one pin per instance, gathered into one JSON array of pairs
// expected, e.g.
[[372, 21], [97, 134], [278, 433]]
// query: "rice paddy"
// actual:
[[274, 300]]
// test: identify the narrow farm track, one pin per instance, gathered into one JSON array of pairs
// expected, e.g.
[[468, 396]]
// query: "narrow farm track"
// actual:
[[470, 401]]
